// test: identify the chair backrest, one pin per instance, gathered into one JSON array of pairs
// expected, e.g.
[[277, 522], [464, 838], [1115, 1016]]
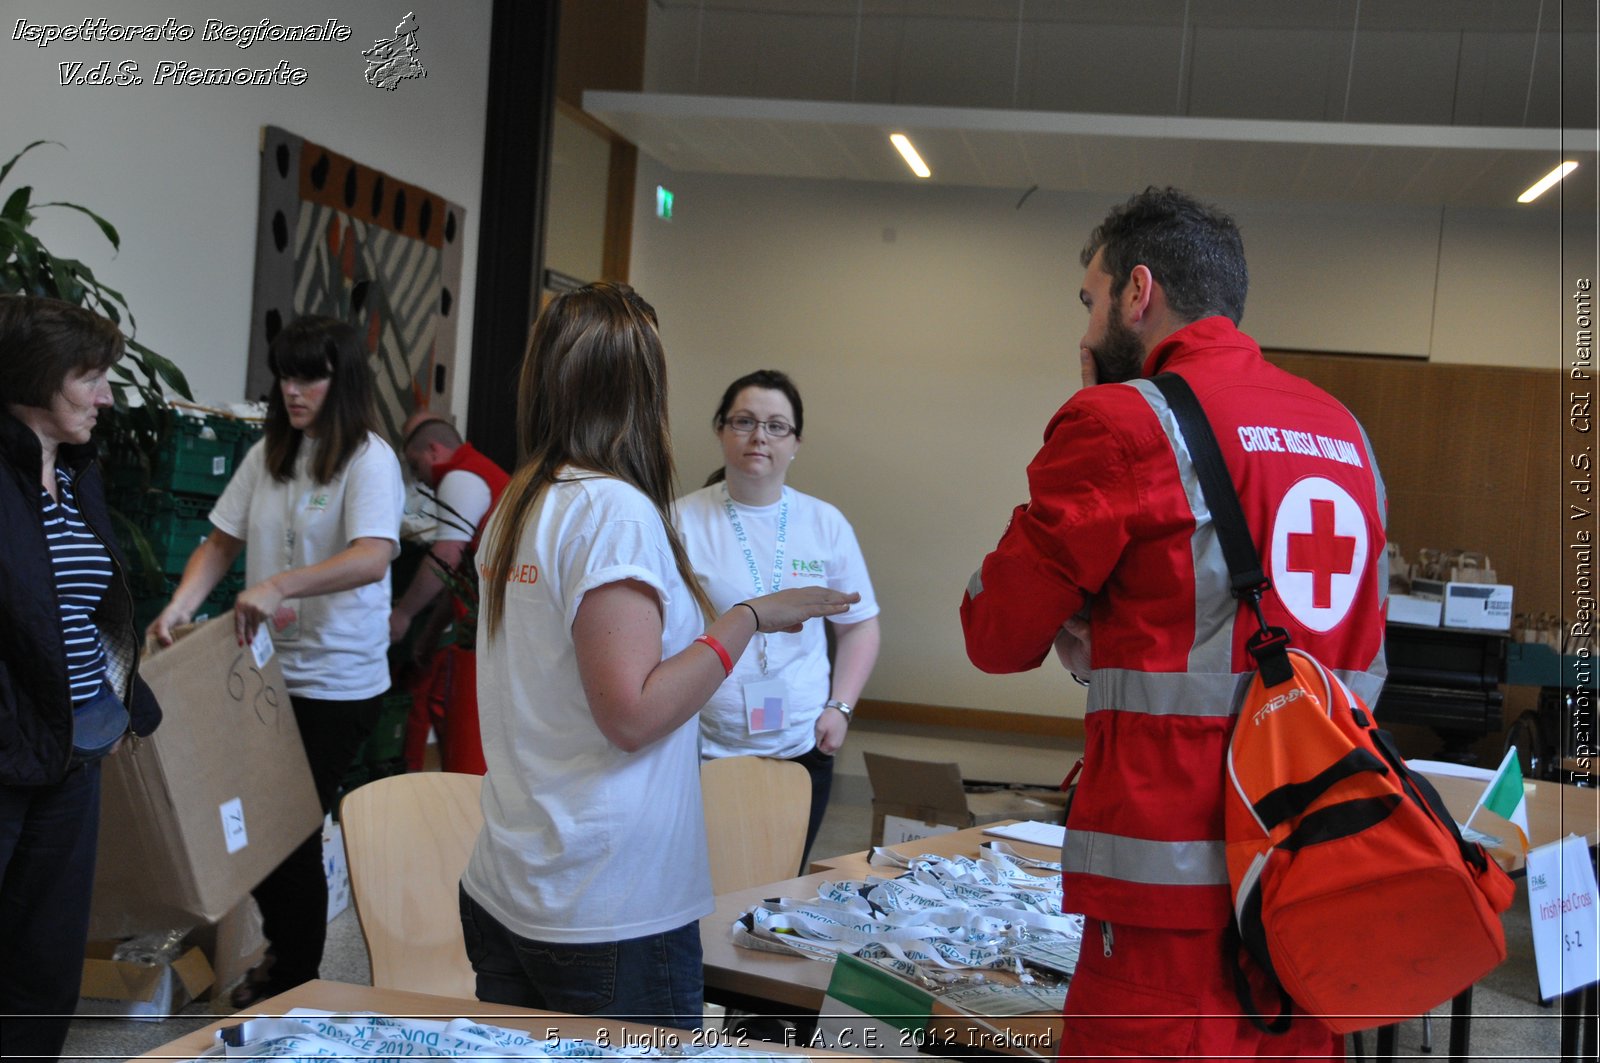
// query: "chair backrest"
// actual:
[[407, 839], [756, 814]]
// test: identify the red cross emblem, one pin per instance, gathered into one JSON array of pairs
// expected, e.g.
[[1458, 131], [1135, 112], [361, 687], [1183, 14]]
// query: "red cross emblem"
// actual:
[[1320, 548], [1322, 553]]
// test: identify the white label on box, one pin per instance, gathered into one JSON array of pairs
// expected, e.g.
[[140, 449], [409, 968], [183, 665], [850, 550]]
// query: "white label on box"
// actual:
[[897, 829], [233, 832], [261, 645], [219, 466]]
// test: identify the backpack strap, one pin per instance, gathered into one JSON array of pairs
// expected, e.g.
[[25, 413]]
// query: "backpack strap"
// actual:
[[1237, 960], [1248, 580]]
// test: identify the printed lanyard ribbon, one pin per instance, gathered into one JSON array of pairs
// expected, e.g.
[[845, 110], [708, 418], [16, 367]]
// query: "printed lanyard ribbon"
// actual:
[[750, 557]]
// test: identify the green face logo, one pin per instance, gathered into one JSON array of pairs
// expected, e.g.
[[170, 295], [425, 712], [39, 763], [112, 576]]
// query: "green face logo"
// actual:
[[318, 502], [806, 568]]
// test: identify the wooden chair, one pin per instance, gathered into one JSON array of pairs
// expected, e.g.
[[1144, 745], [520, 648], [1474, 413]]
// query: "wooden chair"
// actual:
[[756, 812], [407, 839]]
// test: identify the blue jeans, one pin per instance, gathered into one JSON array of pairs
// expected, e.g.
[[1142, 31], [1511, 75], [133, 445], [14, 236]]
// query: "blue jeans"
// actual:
[[655, 979]]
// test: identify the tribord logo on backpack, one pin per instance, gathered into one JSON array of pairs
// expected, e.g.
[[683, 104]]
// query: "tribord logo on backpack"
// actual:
[[1352, 886]]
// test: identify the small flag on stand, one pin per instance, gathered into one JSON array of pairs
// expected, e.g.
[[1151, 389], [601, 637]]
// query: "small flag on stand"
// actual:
[[871, 1011], [1505, 797]]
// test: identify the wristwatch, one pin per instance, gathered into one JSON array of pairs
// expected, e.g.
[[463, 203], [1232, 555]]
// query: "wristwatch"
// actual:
[[844, 707]]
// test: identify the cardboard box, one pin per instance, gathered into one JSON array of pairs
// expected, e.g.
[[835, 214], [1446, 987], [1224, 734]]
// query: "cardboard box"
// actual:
[[148, 993], [233, 945], [196, 815], [1477, 606], [917, 799], [1410, 609]]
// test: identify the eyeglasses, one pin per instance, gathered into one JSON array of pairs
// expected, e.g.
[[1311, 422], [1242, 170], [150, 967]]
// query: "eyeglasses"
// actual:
[[745, 425]]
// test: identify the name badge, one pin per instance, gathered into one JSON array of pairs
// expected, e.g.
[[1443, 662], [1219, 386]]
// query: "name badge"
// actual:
[[766, 706]]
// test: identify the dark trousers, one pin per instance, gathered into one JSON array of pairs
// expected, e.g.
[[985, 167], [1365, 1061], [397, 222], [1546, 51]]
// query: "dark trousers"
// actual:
[[47, 847], [819, 766], [655, 979], [294, 897]]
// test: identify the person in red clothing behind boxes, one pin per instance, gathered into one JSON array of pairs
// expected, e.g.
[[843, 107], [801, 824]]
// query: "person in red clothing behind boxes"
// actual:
[[316, 506], [463, 486], [1113, 560], [69, 657]]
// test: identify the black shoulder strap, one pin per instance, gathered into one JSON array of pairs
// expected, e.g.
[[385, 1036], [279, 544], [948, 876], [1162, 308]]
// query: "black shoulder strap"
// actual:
[[1249, 581]]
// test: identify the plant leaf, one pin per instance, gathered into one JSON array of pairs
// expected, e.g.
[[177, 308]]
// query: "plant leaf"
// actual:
[[16, 207], [165, 369], [105, 226], [13, 160]]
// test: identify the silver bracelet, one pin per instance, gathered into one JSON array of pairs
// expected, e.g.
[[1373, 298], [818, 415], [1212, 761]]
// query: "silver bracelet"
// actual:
[[844, 708]]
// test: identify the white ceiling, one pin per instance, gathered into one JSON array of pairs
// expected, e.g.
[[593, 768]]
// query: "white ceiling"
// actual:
[[1442, 102]]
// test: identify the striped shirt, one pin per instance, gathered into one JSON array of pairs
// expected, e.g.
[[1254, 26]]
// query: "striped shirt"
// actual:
[[82, 568]]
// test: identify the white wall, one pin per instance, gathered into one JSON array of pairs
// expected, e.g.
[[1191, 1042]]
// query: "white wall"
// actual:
[[174, 168], [933, 331]]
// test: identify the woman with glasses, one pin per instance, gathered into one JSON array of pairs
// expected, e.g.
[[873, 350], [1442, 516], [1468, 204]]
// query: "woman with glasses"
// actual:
[[748, 533]]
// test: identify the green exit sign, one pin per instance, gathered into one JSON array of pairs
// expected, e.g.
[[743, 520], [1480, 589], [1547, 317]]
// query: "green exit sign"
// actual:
[[663, 203]]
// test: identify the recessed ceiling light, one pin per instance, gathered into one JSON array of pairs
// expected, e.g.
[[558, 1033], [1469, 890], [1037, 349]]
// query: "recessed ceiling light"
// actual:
[[909, 153], [1545, 183]]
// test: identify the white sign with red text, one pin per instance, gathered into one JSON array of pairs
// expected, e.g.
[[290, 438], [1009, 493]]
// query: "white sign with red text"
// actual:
[[1565, 911]]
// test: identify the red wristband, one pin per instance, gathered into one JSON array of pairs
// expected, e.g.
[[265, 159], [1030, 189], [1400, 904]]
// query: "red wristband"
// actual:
[[720, 651]]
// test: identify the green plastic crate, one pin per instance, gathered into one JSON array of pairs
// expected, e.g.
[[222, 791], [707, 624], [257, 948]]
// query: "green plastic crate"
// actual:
[[198, 457], [387, 742], [175, 525], [247, 433]]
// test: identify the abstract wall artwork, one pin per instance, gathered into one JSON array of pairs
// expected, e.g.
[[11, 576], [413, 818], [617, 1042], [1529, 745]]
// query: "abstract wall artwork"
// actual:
[[339, 238]]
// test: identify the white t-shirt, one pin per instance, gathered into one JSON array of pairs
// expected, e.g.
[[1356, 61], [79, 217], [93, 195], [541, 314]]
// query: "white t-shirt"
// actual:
[[464, 498], [583, 842], [819, 549], [338, 648]]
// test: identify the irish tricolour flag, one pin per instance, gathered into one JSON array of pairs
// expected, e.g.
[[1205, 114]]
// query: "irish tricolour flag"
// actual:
[[1505, 796]]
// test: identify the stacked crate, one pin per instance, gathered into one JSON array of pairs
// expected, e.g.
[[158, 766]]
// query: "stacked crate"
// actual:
[[383, 753], [169, 502]]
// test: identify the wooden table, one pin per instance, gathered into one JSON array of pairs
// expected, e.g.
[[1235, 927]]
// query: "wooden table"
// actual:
[[763, 981], [955, 843], [1554, 811], [347, 998]]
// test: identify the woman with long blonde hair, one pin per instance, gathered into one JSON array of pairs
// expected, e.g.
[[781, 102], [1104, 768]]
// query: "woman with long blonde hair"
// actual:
[[596, 650]]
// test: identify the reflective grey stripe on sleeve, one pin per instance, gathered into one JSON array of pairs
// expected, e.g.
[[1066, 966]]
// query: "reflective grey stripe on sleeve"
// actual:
[[1195, 863], [1167, 693], [1189, 694], [975, 584], [1214, 604]]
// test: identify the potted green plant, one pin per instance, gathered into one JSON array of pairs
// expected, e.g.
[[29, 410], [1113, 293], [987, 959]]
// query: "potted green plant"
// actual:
[[133, 431]]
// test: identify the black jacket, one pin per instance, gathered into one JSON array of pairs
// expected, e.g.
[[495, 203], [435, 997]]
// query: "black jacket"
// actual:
[[35, 698]]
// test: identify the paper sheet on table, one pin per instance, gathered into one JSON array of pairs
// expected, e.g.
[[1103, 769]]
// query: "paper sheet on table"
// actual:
[[1032, 830], [1444, 767]]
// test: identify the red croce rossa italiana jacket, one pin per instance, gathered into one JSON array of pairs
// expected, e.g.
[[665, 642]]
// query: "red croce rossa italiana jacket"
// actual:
[[1116, 521]]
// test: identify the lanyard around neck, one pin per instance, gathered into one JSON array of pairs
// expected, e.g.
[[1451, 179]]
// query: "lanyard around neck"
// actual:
[[750, 558], [744, 542]]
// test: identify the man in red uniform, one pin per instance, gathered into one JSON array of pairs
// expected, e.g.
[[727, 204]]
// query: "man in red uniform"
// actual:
[[465, 485], [1114, 561]]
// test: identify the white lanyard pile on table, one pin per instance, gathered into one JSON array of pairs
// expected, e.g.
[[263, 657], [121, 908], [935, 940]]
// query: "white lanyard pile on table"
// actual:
[[942, 914], [306, 1033]]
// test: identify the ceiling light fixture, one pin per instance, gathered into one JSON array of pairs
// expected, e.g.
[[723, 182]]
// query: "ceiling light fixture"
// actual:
[[903, 144], [1545, 183]]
